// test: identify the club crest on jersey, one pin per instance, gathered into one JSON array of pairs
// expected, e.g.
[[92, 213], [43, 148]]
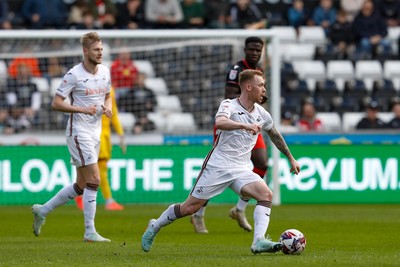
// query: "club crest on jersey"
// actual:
[[233, 74]]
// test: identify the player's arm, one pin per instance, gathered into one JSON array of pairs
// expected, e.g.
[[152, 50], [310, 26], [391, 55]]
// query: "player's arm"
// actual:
[[59, 104], [107, 106], [280, 143], [226, 124]]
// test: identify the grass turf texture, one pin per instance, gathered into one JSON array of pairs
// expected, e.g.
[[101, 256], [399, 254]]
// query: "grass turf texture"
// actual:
[[337, 235]]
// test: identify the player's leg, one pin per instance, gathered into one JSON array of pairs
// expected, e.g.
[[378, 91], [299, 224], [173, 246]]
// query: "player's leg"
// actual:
[[111, 204], [172, 213], [197, 219], [90, 174], [262, 212], [63, 196]]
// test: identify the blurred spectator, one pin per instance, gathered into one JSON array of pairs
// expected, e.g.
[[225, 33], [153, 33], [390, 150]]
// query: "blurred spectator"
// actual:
[[88, 22], [351, 7], [244, 14], [123, 73], [131, 15], [43, 14], [5, 23], [163, 14], [288, 123], [140, 101], [193, 14], [371, 120], [76, 11], [390, 11], [324, 15], [23, 99], [215, 13], [308, 120], [104, 13], [341, 35], [395, 122], [297, 14], [370, 30], [26, 59], [54, 68]]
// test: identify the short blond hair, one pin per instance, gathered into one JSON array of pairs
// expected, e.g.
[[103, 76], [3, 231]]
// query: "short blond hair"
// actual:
[[88, 39], [248, 75]]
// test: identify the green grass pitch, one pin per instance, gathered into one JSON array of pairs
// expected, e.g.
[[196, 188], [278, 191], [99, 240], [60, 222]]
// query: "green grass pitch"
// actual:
[[337, 235]]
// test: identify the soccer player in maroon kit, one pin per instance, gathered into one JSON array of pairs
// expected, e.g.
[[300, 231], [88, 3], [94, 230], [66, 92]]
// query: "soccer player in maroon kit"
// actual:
[[253, 51]]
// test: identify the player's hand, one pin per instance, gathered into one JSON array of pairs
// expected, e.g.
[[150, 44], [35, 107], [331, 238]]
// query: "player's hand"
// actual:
[[106, 111], [90, 110], [253, 128], [295, 167], [122, 144]]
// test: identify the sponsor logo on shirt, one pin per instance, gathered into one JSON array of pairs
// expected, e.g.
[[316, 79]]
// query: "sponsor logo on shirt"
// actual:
[[97, 91]]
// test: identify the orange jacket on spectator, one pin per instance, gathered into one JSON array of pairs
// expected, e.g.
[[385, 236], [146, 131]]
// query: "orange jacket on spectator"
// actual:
[[32, 63]]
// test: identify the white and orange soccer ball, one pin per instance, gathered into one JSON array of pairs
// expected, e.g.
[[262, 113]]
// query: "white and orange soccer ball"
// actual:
[[293, 241]]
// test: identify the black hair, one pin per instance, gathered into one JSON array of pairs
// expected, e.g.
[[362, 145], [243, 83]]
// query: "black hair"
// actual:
[[253, 39]]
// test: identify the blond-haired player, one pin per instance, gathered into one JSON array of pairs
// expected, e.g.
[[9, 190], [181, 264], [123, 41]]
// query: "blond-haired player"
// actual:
[[88, 87]]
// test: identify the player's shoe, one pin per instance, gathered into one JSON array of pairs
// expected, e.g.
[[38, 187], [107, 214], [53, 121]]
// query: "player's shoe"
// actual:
[[198, 224], [79, 202], [38, 220], [148, 236], [266, 245], [114, 206], [240, 217], [95, 237]]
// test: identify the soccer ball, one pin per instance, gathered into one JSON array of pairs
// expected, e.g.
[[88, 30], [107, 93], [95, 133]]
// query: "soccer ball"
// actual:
[[293, 241]]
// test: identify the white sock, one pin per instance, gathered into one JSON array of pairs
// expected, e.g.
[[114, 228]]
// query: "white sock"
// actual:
[[62, 197], [242, 204], [261, 222], [201, 211], [167, 217], [89, 209]]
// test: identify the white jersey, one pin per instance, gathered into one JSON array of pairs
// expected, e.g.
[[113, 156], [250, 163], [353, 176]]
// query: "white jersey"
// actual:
[[85, 89], [233, 148]]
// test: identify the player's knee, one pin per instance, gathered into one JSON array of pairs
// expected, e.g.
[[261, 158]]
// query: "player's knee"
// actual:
[[268, 194]]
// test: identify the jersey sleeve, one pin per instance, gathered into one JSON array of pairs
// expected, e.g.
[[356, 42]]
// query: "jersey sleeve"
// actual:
[[269, 123], [68, 83], [232, 77], [225, 109]]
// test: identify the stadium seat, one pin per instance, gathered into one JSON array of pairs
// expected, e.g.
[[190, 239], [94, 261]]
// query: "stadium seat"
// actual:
[[384, 93], [286, 34], [54, 84], [386, 116], [350, 120], [325, 94], [312, 35], [158, 119], [393, 36], [127, 120], [145, 66], [330, 120], [311, 71], [157, 85], [391, 70], [340, 71], [355, 94], [292, 52], [42, 84], [168, 104], [180, 123], [368, 71]]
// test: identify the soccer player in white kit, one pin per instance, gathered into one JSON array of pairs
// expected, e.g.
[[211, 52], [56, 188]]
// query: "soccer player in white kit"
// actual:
[[88, 87], [238, 123]]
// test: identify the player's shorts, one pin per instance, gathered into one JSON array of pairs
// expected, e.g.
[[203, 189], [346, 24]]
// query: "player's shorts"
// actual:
[[84, 150], [260, 143], [212, 181]]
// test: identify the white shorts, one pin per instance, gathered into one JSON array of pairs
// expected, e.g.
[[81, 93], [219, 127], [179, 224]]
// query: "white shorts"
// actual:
[[84, 150], [213, 181]]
